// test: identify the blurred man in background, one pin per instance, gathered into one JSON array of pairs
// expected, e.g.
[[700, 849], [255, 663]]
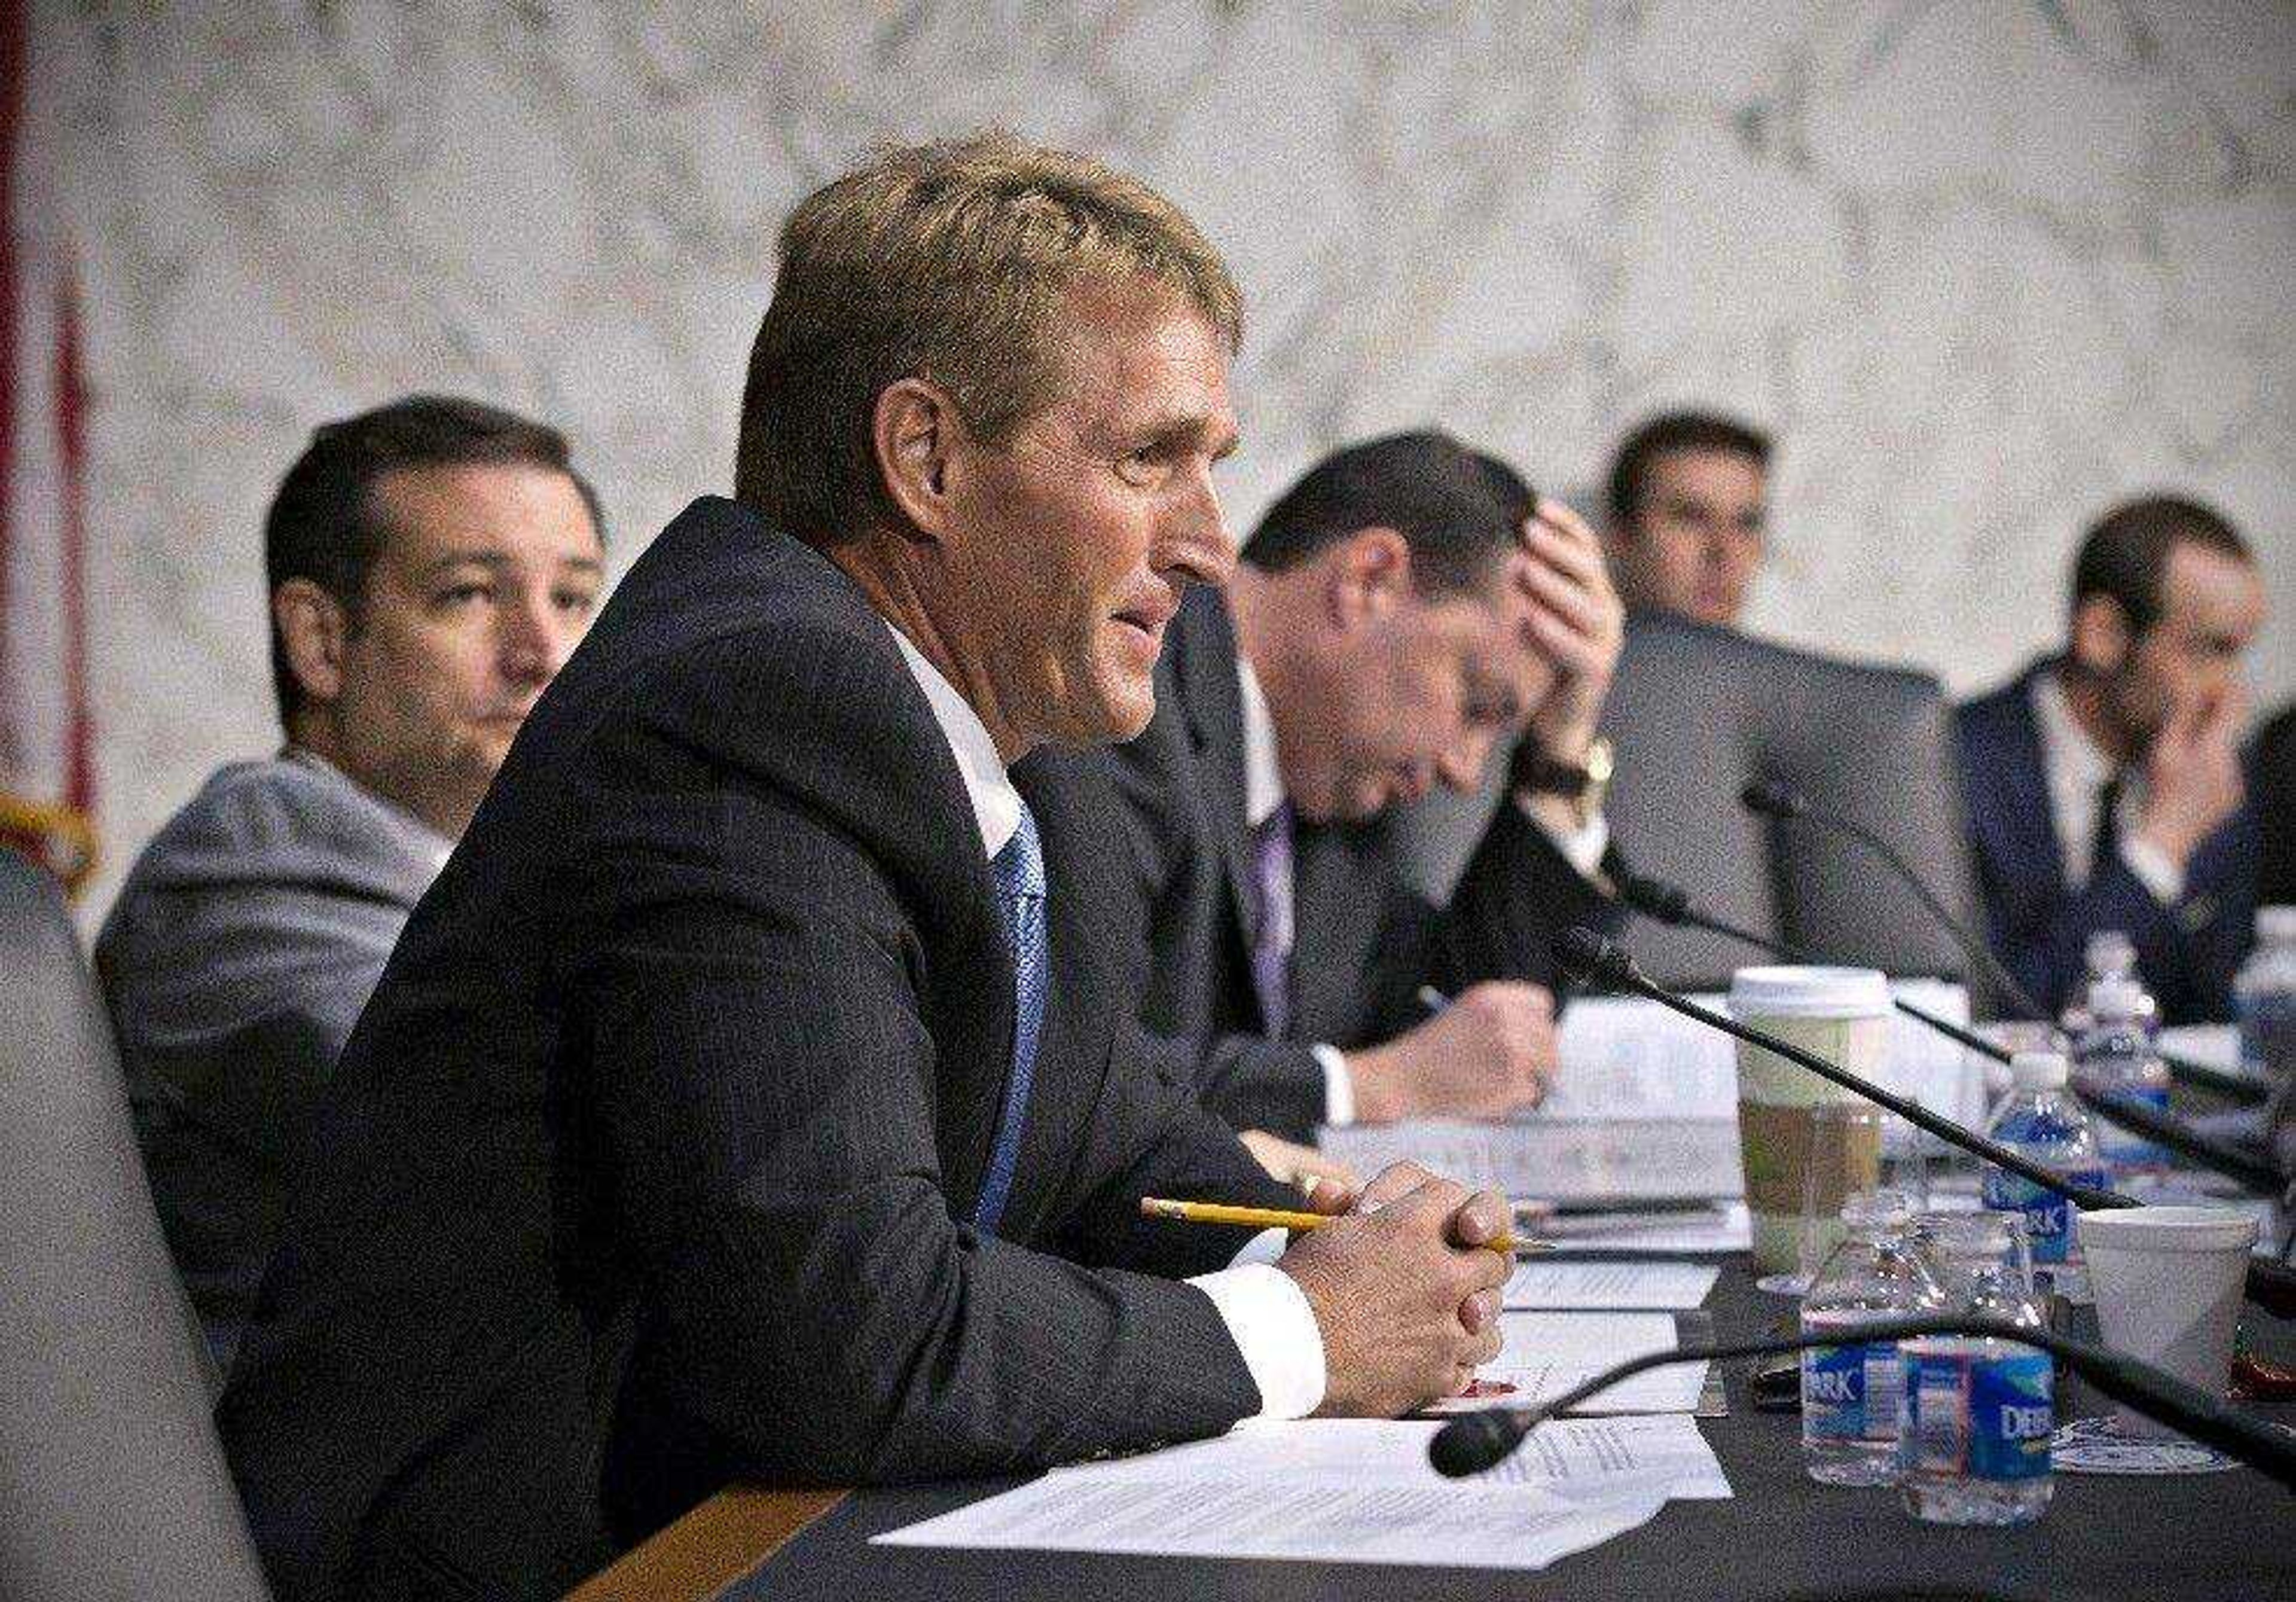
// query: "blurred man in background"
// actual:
[[430, 564], [2103, 785], [1687, 512]]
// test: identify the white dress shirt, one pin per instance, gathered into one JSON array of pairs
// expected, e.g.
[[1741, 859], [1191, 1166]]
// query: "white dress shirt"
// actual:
[[2077, 772], [1263, 792], [1266, 1311]]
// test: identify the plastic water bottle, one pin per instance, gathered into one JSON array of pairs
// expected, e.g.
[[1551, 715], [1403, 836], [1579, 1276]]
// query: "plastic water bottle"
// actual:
[[2115, 1054], [1852, 1391], [1979, 1413], [2111, 955], [2039, 1119], [2264, 994]]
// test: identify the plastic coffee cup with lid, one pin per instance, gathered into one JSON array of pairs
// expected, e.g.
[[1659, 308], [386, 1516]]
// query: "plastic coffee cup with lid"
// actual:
[[1842, 1015]]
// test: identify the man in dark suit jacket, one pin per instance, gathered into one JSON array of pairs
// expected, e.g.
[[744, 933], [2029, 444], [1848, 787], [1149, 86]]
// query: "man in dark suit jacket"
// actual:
[[742, 1100], [2272, 781], [2103, 786], [1397, 610]]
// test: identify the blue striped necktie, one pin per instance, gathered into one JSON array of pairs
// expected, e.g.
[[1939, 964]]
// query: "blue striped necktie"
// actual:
[[1019, 870]]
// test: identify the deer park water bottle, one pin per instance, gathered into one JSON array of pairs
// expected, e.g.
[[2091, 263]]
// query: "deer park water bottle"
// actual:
[[1979, 1411], [1850, 1388], [2039, 1119], [2115, 1055]]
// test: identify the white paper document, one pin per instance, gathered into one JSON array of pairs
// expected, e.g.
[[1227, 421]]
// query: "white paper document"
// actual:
[[1350, 1491], [1674, 1286], [1725, 1227], [1544, 1354]]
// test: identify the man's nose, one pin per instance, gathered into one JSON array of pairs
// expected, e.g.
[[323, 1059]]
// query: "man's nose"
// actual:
[[1460, 768], [1193, 541], [535, 639]]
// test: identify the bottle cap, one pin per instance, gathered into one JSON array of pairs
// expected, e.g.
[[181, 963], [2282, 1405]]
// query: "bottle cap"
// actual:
[[1883, 1209], [2039, 1070], [2276, 924], [2111, 951], [2116, 1000]]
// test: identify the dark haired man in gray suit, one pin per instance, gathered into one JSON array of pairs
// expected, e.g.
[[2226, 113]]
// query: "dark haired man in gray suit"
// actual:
[[754, 1095], [430, 563]]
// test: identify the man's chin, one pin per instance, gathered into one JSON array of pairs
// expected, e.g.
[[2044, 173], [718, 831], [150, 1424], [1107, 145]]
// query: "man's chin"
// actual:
[[1106, 719]]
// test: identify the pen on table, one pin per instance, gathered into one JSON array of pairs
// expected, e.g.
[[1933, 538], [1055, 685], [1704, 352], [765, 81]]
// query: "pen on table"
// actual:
[[1277, 1218]]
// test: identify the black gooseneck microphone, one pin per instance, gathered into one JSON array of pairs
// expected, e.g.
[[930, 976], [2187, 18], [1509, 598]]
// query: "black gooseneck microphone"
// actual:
[[1669, 903], [1588, 957], [1774, 800], [1474, 1441]]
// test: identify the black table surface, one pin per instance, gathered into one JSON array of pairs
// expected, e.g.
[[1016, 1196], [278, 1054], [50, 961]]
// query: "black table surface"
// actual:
[[2229, 1535]]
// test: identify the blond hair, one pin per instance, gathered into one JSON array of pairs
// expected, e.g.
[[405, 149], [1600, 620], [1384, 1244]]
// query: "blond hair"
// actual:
[[947, 261]]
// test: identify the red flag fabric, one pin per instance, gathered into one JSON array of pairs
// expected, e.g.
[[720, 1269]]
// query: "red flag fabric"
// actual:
[[47, 775]]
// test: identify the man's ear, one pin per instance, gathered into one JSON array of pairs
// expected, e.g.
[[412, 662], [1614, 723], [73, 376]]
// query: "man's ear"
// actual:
[[315, 629], [1367, 575], [2101, 639], [917, 434]]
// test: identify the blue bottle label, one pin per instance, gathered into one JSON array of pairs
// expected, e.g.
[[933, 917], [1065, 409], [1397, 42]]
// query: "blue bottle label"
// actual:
[[2048, 1216], [2132, 1152], [1851, 1392], [1983, 1418]]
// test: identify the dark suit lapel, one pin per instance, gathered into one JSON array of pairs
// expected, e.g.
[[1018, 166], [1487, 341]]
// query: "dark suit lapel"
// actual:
[[1204, 670], [1335, 935], [2028, 822]]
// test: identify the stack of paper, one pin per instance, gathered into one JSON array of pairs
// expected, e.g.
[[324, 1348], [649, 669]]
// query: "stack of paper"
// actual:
[[1562, 1159], [1350, 1491], [1725, 1227]]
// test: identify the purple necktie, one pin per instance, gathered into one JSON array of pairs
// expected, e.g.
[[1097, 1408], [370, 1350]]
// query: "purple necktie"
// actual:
[[1271, 914]]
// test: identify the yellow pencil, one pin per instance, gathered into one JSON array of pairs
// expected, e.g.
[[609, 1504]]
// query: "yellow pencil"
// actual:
[[1277, 1218]]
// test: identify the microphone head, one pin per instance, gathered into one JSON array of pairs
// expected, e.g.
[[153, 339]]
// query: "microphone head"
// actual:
[[1659, 898], [1773, 800], [1474, 1441], [1591, 959]]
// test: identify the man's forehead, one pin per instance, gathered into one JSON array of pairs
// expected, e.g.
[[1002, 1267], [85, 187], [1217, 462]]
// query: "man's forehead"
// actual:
[[1701, 468], [519, 509], [2212, 590], [1145, 356]]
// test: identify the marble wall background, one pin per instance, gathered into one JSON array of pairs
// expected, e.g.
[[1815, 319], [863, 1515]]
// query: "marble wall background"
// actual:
[[1984, 265]]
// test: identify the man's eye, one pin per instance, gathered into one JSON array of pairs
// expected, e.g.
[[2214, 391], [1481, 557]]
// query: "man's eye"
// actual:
[[574, 600], [462, 593]]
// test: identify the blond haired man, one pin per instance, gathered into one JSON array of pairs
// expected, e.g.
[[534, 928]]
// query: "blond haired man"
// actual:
[[742, 1103]]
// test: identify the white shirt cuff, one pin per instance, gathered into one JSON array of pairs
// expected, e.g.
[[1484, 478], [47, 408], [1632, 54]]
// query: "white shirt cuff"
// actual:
[[1339, 1087], [1582, 847], [2153, 870], [1268, 1317]]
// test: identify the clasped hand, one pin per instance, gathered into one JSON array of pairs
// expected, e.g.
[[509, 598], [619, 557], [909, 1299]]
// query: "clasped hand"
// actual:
[[1404, 1288]]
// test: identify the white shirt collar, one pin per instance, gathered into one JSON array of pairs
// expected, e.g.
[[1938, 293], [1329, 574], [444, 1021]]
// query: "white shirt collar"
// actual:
[[2074, 759], [996, 803], [1263, 774], [2076, 768]]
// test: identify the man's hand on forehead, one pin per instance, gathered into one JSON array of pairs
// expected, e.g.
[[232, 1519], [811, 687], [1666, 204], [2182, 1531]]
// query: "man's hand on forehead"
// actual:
[[1575, 622]]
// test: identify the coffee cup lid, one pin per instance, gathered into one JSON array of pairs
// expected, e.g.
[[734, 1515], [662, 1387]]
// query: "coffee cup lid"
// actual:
[[1808, 992]]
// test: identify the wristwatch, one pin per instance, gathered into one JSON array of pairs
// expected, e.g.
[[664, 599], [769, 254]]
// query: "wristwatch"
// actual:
[[1585, 785]]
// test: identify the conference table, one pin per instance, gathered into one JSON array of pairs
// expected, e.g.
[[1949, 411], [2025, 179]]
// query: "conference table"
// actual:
[[2228, 1535]]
